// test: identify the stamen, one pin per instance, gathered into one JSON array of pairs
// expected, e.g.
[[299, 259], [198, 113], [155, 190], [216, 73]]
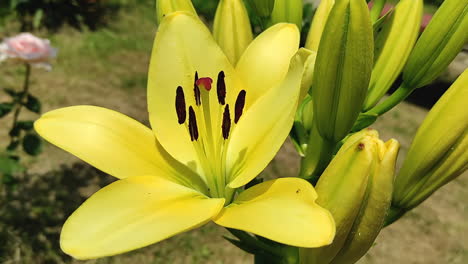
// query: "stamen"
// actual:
[[196, 90], [205, 83], [193, 128], [180, 105], [239, 108], [226, 126], [221, 88]]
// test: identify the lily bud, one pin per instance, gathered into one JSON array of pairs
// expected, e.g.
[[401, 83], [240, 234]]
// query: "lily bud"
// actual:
[[318, 24], [232, 28], [343, 69], [356, 188], [262, 8], [440, 42], [289, 11], [393, 46], [438, 152], [164, 7], [374, 208]]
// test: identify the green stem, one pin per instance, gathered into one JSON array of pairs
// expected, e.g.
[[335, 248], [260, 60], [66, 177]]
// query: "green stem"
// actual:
[[318, 155], [393, 215], [377, 10], [253, 242], [397, 97], [23, 97]]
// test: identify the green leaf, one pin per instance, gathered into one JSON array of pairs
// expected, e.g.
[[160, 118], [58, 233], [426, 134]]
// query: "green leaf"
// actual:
[[15, 131], [12, 93], [13, 145], [9, 166], [38, 18], [5, 108], [241, 245], [364, 120], [32, 144], [33, 104], [25, 125]]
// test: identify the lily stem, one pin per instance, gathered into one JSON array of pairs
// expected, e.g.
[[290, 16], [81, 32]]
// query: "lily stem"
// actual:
[[318, 155], [397, 97], [20, 102]]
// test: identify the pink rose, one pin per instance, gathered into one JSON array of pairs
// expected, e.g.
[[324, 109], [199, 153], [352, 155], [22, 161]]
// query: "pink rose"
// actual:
[[28, 48]]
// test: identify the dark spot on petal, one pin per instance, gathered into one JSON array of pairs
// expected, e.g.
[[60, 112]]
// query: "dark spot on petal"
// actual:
[[180, 105], [298, 191], [361, 146]]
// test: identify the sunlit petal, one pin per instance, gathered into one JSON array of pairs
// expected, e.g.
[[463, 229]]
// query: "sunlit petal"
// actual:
[[182, 47], [260, 133], [133, 213], [265, 62], [113, 143], [283, 210]]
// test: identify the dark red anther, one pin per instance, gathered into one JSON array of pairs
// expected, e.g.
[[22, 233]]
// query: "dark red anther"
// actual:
[[221, 88], [180, 105], [193, 128], [196, 90], [226, 126], [205, 83], [239, 108]]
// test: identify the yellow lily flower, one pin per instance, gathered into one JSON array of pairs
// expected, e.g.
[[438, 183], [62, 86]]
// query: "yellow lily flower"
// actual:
[[204, 144]]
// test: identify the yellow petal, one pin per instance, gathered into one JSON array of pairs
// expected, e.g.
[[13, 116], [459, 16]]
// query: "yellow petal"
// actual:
[[283, 210], [265, 62], [183, 46], [111, 142], [133, 213], [265, 126]]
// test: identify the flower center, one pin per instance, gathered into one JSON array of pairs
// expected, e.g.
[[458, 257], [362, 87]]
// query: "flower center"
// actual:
[[209, 125]]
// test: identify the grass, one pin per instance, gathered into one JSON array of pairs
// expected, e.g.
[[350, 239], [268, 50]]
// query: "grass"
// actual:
[[108, 68]]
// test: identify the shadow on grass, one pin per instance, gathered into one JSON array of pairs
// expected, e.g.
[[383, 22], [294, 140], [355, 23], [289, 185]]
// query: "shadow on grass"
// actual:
[[33, 210]]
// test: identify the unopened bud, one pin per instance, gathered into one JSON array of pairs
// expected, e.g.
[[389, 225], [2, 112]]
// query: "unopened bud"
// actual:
[[232, 28], [262, 8], [342, 69], [318, 24], [440, 42], [165, 7], [393, 46], [289, 11], [438, 153], [356, 188]]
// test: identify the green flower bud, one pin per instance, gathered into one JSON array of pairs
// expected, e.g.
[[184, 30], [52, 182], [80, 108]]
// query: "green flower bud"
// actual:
[[441, 41], [318, 24], [342, 69], [374, 207], [356, 188], [262, 8], [289, 11], [393, 46], [164, 7], [232, 28], [438, 153]]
